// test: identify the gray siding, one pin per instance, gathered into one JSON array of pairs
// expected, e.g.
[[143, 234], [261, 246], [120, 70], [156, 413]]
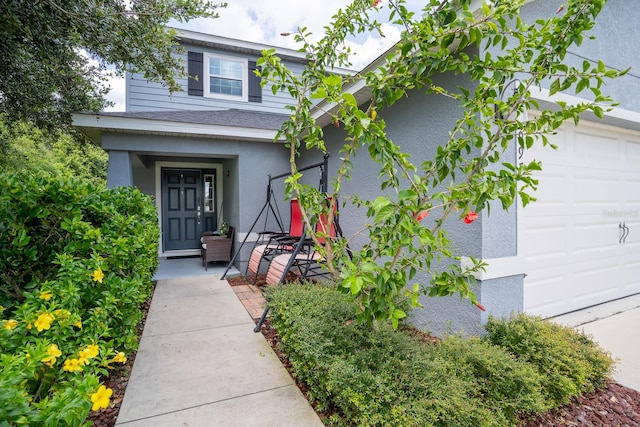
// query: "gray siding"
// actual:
[[143, 95]]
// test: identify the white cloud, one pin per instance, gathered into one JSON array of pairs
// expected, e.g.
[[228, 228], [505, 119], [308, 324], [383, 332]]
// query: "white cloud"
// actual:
[[116, 93], [263, 21]]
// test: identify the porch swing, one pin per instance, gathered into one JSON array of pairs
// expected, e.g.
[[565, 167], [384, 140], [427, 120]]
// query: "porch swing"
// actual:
[[295, 224], [285, 251]]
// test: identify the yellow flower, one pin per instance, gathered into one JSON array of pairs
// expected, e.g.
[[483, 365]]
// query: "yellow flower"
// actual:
[[62, 313], [374, 114], [78, 324], [10, 324], [98, 275], [101, 398], [44, 321], [46, 295], [72, 365], [120, 358], [90, 351], [53, 352]]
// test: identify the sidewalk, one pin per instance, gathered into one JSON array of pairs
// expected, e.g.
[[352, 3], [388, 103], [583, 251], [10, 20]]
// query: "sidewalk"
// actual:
[[200, 364]]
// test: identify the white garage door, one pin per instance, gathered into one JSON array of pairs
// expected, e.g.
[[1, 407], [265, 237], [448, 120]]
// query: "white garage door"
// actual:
[[581, 239]]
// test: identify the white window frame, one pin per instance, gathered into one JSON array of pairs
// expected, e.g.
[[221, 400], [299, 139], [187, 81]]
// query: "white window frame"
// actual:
[[206, 75]]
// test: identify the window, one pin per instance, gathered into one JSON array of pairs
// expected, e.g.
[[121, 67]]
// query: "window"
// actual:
[[225, 77], [209, 192]]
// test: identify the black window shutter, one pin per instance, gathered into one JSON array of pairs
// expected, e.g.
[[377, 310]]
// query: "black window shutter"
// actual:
[[196, 76], [255, 90]]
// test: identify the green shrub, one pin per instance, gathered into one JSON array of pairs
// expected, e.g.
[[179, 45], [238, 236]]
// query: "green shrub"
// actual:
[[570, 362], [28, 150], [506, 385], [77, 262], [387, 377]]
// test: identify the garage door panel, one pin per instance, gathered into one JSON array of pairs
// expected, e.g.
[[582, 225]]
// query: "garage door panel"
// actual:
[[595, 150], [590, 277], [547, 154], [595, 239], [632, 241], [543, 244], [554, 187], [631, 190], [632, 155], [597, 190], [556, 291], [631, 283]]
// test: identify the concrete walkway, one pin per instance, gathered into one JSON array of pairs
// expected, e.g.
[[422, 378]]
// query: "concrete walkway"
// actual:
[[200, 364], [614, 326]]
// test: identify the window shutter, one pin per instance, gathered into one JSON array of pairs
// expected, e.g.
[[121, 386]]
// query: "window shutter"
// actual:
[[194, 69], [255, 90]]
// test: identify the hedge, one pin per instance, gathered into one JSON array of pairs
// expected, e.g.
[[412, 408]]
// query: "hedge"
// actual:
[[77, 263], [368, 377]]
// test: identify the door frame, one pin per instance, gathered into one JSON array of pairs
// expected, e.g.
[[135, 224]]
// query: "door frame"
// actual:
[[158, 181]]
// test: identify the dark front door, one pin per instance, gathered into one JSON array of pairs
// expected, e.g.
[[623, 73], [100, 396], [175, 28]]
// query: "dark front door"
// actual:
[[181, 209]]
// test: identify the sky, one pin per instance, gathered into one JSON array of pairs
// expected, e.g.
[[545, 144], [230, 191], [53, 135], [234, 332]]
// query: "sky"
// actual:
[[263, 21]]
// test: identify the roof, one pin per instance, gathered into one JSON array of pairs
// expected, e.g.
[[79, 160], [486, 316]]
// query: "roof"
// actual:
[[231, 117], [246, 47], [223, 124]]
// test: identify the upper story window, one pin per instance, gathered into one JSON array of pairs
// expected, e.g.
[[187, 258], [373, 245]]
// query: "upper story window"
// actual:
[[223, 77], [227, 77]]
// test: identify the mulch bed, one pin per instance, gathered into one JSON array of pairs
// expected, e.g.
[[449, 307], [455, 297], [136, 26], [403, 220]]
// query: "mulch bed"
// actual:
[[613, 406]]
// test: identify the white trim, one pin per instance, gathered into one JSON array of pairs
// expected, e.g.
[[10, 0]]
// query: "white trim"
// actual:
[[496, 267], [235, 43], [116, 123], [542, 94], [158, 179], [206, 75]]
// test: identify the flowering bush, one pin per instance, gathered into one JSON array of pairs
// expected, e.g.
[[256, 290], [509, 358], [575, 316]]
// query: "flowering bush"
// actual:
[[77, 262], [402, 255]]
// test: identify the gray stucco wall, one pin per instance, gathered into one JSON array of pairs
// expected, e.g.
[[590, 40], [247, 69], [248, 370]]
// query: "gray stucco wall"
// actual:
[[616, 33], [419, 124]]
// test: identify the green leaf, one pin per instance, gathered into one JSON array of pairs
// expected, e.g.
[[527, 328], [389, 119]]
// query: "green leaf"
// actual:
[[380, 202], [555, 87], [332, 80], [385, 213], [320, 93], [350, 99]]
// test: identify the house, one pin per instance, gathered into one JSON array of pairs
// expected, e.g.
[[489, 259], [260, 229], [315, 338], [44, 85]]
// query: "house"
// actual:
[[206, 154]]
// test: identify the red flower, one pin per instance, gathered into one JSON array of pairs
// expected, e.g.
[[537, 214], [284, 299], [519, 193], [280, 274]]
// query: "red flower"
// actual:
[[480, 306], [470, 217], [376, 2], [422, 215], [336, 123]]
